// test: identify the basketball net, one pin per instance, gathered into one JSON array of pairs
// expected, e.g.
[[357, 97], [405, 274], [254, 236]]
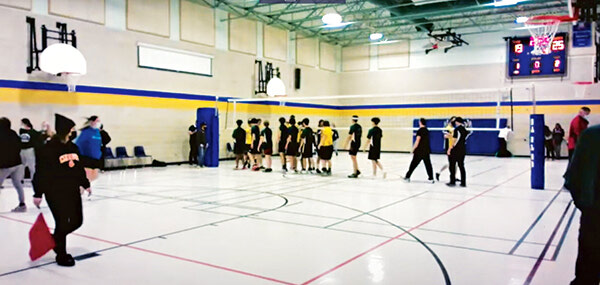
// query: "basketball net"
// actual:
[[581, 88], [542, 31], [71, 80]]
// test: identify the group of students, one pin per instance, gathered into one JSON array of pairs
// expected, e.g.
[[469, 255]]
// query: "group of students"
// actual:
[[65, 164], [298, 141], [295, 141]]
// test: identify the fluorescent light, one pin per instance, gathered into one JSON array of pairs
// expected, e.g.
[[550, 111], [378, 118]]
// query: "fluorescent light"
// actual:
[[335, 26], [375, 36], [332, 19], [521, 20], [503, 3]]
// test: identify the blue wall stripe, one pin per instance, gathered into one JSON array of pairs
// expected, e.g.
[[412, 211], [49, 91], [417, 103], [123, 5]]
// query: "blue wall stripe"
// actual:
[[171, 95]]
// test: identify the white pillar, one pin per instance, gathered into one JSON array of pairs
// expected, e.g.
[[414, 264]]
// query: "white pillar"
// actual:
[[40, 7], [222, 30], [174, 34], [116, 14], [260, 52]]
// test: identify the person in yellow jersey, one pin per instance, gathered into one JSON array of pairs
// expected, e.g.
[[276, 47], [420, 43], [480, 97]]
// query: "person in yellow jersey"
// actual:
[[326, 148], [449, 140], [247, 157]]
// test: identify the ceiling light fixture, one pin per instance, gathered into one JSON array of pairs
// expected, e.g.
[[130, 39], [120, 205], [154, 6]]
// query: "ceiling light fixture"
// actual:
[[376, 36], [332, 19], [521, 20], [504, 3]]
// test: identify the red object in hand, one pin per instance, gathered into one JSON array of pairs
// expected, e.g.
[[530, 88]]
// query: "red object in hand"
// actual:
[[40, 238]]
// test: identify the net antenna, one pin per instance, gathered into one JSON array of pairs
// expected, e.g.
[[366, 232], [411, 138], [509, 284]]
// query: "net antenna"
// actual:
[[66, 61]]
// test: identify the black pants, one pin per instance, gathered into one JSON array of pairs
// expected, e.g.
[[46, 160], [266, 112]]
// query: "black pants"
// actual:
[[457, 158], [549, 149], [68, 217], [193, 158], [571, 151], [417, 157], [503, 149], [587, 268]]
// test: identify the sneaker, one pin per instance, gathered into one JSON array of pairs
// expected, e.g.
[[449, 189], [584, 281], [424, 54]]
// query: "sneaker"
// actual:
[[65, 260], [268, 170], [431, 181], [353, 175], [328, 172], [437, 176], [451, 184], [358, 173], [262, 167], [318, 171], [406, 179], [19, 209], [463, 185]]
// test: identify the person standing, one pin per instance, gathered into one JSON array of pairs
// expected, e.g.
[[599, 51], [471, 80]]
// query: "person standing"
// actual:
[[266, 144], [239, 147], [503, 136], [193, 157], [582, 179], [31, 140], [326, 148], [90, 145], [282, 137], [558, 136], [255, 153], [548, 143], [10, 161], [291, 147], [46, 132], [578, 125], [60, 176], [421, 151], [457, 153], [105, 137], [448, 141], [202, 144], [306, 145], [354, 138], [317, 141], [249, 159], [374, 142], [336, 137]]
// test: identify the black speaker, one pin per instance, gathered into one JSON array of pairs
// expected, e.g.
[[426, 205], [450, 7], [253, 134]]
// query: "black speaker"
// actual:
[[297, 78]]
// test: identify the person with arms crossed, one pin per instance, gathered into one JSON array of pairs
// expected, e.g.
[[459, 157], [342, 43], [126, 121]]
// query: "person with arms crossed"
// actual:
[[374, 143], [457, 153], [353, 141]]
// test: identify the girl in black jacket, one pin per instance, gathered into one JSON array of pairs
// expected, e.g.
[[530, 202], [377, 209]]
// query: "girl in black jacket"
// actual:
[[59, 175]]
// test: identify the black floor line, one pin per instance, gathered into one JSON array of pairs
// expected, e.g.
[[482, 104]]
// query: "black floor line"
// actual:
[[564, 235]]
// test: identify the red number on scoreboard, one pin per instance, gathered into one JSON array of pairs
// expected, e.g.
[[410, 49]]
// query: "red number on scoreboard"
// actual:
[[536, 64], [519, 48], [558, 45]]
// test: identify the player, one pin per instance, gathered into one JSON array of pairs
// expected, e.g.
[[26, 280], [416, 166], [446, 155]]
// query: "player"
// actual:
[[291, 147], [306, 145], [266, 144], [326, 148], [354, 142], [374, 143], [239, 147], [421, 151], [457, 153]]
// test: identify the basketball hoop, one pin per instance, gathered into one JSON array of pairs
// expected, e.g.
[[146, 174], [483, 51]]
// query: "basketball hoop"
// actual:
[[63, 59], [542, 29], [581, 88]]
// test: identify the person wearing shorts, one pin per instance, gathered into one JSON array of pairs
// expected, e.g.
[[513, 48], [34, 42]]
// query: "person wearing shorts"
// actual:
[[353, 140], [239, 147], [282, 141], [326, 148], [266, 144], [248, 157], [255, 155], [89, 143], [306, 146], [291, 147], [374, 142]]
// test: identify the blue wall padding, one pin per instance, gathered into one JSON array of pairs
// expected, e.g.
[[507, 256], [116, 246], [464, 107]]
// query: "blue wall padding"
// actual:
[[536, 147], [211, 118], [482, 143]]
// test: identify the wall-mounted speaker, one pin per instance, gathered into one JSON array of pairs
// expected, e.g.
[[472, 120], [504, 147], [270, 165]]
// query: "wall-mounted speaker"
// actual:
[[297, 78]]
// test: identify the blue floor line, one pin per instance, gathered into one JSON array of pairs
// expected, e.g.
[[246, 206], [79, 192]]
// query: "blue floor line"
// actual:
[[564, 236]]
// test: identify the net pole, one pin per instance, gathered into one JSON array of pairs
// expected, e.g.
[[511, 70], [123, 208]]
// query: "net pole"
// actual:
[[532, 94], [498, 107], [234, 113], [512, 111]]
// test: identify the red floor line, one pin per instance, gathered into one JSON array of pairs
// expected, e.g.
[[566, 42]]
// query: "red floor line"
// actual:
[[396, 237], [166, 255]]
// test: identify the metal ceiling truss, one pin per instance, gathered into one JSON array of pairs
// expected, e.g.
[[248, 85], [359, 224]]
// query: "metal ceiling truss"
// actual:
[[396, 19]]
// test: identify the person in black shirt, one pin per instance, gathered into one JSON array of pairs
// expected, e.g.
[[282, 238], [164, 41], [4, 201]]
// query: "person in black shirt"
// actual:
[[421, 151], [317, 141], [10, 160], [266, 144], [60, 176], [558, 136], [306, 146], [202, 144], [374, 142], [193, 157], [291, 147], [255, 154], [282, 137], [105, 137], [31, 141], [354, 138], [239, 147], [457, 153]]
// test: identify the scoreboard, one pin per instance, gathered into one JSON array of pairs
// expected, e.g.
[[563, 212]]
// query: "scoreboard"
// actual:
[[521, 63]]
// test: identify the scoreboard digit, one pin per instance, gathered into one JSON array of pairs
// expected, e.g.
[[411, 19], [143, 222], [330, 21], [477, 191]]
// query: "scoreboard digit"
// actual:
[[521, 63]]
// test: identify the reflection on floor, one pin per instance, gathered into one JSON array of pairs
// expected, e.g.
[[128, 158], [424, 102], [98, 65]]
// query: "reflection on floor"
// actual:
[[185, 225]]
